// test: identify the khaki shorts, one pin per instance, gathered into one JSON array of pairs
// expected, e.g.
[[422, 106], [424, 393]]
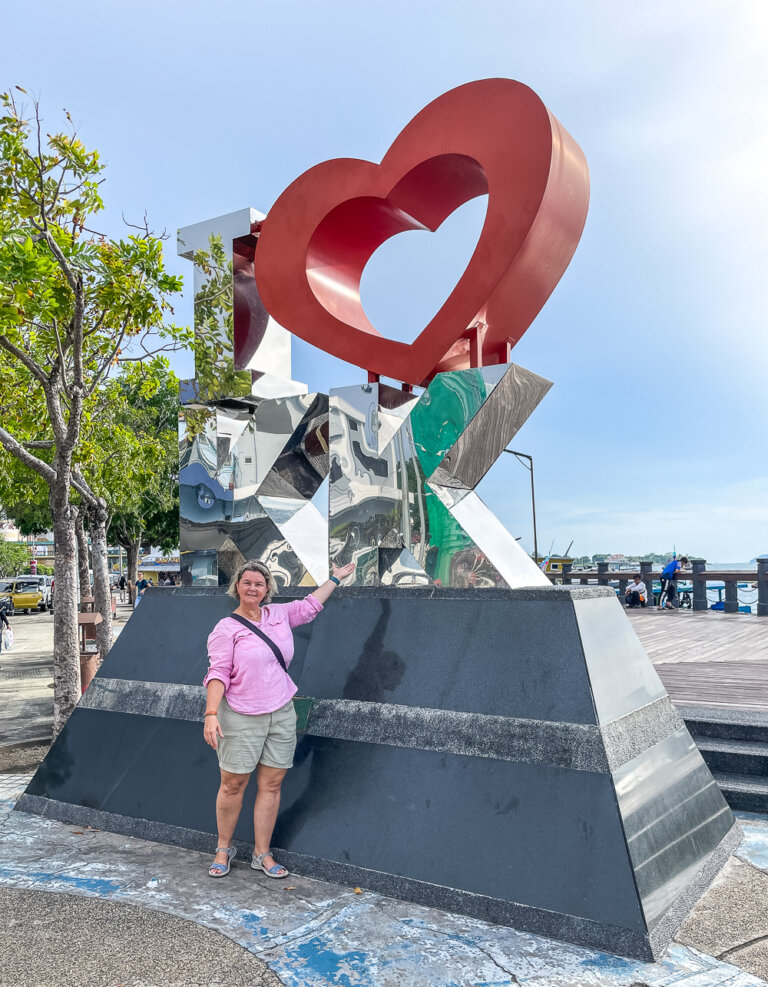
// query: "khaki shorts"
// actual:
[[264, 738]]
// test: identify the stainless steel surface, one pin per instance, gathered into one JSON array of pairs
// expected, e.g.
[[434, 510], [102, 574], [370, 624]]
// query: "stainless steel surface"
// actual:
[[402, 473], [621, 676], [514, 397], [264, 346], [245, 485], [674, 816]]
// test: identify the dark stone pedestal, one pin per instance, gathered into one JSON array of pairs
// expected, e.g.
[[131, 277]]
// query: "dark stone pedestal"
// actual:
[[510, 755]]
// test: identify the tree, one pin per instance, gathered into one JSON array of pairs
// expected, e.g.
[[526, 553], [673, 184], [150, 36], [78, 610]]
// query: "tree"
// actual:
[[14, 558], [139, 467], [73, 304]]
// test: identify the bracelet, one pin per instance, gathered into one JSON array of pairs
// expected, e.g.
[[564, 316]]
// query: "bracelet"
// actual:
[[211, 712], [333, 579]]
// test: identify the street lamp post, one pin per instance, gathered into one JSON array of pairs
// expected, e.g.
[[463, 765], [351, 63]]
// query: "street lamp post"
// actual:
[[520, 456]]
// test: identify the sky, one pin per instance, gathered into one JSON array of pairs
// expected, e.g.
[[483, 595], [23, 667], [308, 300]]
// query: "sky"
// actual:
[[653, 435]]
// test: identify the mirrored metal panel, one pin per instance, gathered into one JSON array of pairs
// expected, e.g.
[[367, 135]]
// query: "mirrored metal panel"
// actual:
[[497, 421], [247, 476], [228, 310], [365, 505], [392, 489]]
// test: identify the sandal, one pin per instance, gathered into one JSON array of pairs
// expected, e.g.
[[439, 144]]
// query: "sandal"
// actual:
[[258, 864], [221, 870]]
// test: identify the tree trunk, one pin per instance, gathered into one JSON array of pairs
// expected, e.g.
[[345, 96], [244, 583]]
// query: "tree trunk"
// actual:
[[66, 646], [132, 550], [82, 554], [97, 519]]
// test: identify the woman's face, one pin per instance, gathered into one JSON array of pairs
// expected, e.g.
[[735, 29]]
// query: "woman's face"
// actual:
[[252, 587]]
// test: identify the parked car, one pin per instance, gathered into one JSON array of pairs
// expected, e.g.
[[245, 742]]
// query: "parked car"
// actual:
[[28, 594], [6, 600], [45, 584]]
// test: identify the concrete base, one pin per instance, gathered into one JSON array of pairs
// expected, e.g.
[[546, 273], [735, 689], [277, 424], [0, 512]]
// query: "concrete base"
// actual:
[[510, 755]]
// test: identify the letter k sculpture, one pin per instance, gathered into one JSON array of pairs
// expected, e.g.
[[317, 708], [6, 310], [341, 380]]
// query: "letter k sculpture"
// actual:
[[403, 472]]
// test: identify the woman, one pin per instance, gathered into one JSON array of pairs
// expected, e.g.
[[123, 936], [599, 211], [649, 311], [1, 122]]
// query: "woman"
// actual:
[[249, 717]]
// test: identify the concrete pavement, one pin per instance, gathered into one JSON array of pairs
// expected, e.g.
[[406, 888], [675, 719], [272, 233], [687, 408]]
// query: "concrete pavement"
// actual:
[[309, 933], [26, 678], [26, 681], [49, 940]]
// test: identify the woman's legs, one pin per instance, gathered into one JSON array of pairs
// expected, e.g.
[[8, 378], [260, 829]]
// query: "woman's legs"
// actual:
[[228, 803], [269, 781]]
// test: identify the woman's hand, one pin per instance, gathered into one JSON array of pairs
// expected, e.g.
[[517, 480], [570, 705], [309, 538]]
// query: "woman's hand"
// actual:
[[212, 731], [342, 571]]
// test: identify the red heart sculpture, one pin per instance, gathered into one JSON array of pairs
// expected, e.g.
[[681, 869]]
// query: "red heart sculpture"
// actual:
[[494, 136]]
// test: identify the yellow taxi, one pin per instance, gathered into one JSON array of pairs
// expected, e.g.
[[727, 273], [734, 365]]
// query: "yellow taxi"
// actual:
[[27, 594]]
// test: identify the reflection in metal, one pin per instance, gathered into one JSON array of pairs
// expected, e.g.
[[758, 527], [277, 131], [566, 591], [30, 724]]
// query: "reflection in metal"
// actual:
[[228, 310], [245, 485], [402, 472], [674, 815]]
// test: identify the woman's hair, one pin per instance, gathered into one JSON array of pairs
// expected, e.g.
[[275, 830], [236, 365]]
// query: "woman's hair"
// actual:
[[252, 565]]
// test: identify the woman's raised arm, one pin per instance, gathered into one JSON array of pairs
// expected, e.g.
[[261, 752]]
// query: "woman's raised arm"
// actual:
[[338, 572]]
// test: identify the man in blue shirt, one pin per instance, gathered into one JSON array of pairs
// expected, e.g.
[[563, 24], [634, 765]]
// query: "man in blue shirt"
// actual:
[[669, 583]]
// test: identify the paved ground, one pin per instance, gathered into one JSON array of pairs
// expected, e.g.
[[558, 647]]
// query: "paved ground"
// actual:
[[26, 678], [311, 934], [87, 907], [123, 944]]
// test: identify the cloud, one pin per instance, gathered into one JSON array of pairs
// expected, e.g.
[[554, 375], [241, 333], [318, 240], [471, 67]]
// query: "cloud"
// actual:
[[729, 525]]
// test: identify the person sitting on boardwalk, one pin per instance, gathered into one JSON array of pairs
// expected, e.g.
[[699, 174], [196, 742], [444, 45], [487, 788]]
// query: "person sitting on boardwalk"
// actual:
[[635, 593], [669, 583]]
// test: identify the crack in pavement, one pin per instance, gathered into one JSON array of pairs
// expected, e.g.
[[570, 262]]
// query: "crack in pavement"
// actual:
[[744, 945], [480, 949], [309, 928]]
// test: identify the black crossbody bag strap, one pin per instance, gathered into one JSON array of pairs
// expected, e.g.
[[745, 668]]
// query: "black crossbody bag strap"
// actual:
[[267, 640]]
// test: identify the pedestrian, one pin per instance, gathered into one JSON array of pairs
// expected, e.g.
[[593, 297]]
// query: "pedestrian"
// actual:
[[121, 584], [250, 720], [669, 583], [141, 586], [5, 628], [634, 595]]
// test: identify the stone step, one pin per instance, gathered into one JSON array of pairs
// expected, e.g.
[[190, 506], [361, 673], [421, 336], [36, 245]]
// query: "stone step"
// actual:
[[738, 757], [747, 793], [726, 724]]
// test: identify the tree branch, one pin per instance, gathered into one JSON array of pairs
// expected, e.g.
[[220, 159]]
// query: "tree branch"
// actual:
[[167, 348], [62, 359], [62, 260], [34, 368], [11, 445], [107, 361], [40, 444], [79, 483]]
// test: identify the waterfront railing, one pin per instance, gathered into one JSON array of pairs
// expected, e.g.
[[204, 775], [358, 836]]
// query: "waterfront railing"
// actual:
[[698, 575]]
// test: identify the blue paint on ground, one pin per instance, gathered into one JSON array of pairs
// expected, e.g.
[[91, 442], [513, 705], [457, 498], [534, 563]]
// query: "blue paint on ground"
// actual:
[[606, 961], [93, 885], [253, 922], [754, 847], [349, 969]]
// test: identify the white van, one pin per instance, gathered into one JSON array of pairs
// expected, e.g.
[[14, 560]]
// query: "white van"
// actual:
[[44, 585]]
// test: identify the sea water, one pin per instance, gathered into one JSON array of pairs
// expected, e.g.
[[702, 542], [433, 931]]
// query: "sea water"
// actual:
[[746, 592]]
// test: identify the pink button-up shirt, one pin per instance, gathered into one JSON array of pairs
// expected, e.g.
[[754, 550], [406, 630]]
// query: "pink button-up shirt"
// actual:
[[253, 680]]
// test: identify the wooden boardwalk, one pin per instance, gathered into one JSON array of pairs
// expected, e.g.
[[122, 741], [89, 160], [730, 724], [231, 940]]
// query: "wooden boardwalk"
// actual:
[[707, 658]]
